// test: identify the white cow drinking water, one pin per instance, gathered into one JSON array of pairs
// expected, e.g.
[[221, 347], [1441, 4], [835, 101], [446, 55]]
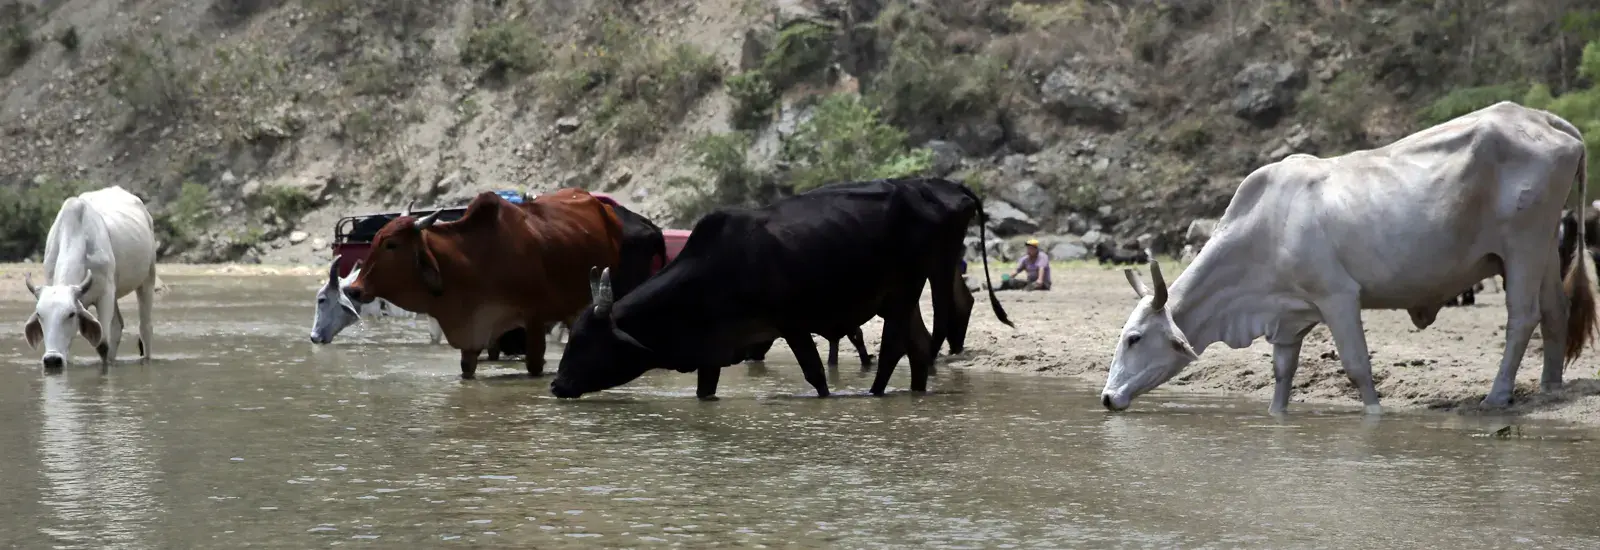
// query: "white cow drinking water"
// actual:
[[1309, 240], [335, 311], [101, 246]]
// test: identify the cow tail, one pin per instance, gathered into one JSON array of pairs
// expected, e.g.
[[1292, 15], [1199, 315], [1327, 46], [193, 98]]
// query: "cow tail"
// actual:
[[1581, 316], [983, 249]]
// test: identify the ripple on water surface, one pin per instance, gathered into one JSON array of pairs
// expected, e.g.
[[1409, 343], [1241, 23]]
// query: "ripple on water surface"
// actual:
[[241, 432]]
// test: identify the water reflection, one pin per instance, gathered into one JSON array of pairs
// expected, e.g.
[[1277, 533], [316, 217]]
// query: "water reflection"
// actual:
[[94, 458], [242, 433]]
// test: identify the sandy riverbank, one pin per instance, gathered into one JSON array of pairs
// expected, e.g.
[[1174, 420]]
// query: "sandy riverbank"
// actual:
[[1069, 331]]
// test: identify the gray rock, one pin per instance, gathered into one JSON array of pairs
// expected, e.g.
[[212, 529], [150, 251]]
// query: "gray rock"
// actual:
[[1006, 220], [946, 157], [1075, 223], [1266, 92], [568, 124], [1066, 250], [979, 136], [622, 177], [1090, 98], [1094, 237], [1104, 211], [297, 237], [1016, 166], [318, 244], [1101, 165], [1030, 197]]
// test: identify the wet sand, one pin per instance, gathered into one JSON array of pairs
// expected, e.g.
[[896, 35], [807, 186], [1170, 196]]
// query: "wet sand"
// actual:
[[1069, 330]]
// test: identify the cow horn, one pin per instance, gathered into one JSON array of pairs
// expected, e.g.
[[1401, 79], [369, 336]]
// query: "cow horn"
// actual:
[[427, 221], [27, 280], [333, 270], [407, 211], [87, 284], [1160, 285], [594, 284], [604, 290]]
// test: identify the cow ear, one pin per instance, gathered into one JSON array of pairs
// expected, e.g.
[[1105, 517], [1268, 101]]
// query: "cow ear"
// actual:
[[89, 327], [428, 269], [32, 331]]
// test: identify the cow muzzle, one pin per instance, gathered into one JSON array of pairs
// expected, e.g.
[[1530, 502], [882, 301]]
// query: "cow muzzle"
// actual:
[[1115, 402], [561, 391], [53, 362]]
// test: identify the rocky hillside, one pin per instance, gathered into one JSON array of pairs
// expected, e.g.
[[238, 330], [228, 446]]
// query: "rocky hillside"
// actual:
[[251, 125]]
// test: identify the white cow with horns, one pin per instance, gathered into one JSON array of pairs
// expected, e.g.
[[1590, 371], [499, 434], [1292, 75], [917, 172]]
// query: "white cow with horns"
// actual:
[[335, 311], [101, 246], [1309, 240]]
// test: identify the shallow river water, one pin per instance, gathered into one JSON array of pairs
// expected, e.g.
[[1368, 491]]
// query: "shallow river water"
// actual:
[[243, 434]]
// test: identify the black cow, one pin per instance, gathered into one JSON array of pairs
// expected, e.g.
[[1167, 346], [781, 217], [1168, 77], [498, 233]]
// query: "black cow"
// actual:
[[758, 352], [1118, 255], [822, 262], [956, 332], [1566, 241], [642, 245]]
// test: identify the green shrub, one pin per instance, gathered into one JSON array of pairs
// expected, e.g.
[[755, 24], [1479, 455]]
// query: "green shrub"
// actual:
[[802, 50], [287, 202], [26, 213], [924, 85], [1189, 136], [845, 141], [753, 97], [379, 76], [1341, 106], [1465, 100], [16, 44], [69, 38], [504, 48], [148, 78], [179, 225], [733, 180], [643, 91]]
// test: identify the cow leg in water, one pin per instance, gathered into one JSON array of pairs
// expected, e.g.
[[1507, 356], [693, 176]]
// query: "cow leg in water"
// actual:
[[1553, 315], [833, 352], [889, 354], [115, 336], [959, 318], [1522, 315], [1342, 313], [706, 385], [469, 363], [146, 294], [534, 356], [805, 351], [860, 342], [1285, 361], [917, 331], [494, 350]]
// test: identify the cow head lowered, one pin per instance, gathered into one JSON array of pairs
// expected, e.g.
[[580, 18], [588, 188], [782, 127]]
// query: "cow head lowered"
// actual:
[[1152, 349], [335, 311], [58, 314], [598, 355], [400, 266]]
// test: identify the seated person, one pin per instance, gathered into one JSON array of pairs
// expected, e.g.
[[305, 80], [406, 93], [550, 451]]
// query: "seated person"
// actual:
[[1036, 264]]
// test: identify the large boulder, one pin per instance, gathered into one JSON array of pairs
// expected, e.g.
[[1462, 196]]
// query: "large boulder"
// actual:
[[1030, 197], [946, 157], [1266, 92], [1089, 97], [1006, 220]]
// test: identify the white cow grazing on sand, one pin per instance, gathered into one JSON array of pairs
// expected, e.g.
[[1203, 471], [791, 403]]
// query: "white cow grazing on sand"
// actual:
[[1309, 240], [101, 246], [335, 311]]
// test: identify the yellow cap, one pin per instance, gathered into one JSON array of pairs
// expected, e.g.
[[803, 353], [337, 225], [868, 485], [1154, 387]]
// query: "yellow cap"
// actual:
[[1033, 242]]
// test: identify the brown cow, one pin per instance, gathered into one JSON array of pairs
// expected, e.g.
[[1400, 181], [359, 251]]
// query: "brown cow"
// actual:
[[499, 267]]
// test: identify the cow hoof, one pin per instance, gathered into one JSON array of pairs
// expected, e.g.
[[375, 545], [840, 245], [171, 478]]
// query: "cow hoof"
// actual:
[[708, 397], [468, 376], [1495, 402], [1550, 388]]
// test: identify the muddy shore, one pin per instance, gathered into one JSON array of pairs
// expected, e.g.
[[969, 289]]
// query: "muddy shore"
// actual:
[[1069, 330]]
